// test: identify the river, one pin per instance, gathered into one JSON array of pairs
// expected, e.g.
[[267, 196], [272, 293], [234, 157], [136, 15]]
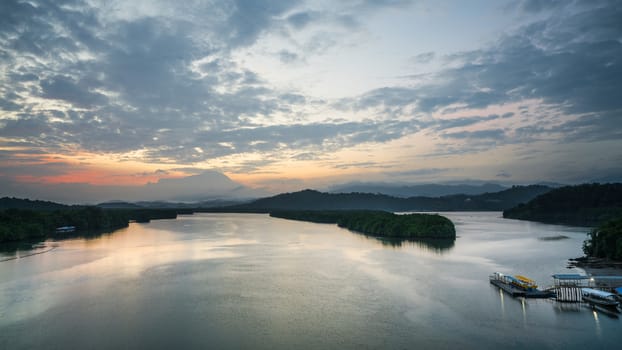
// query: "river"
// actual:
[[230, 281]]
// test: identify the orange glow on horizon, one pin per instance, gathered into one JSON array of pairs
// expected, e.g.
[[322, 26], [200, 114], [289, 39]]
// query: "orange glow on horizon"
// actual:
[[93, 169]]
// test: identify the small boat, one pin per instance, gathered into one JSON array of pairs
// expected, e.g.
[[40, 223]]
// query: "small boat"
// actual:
[[599, 297], [63, 229]]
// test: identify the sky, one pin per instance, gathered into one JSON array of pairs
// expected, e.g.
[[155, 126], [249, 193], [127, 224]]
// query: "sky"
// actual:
[[104, 99]]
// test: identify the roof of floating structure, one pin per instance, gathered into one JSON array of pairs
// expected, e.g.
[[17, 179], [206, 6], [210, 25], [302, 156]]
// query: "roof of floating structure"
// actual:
[[607, 277], [570, 276]]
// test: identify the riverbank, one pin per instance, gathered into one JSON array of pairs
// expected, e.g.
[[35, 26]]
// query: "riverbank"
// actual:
[[597, 266]]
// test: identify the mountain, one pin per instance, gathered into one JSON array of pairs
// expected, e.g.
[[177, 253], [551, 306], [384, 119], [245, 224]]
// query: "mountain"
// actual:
[[168, 205], [314, 200], [581, 205], [118, 205], [206, 186], [425, 190]]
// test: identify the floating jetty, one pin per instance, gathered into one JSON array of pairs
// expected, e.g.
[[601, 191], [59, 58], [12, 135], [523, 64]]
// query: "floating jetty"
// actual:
[[518, 286], [572, 288], [568, 286]]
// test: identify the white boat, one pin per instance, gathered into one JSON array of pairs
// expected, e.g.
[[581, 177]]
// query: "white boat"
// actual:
[[65, 229], [599, 297]]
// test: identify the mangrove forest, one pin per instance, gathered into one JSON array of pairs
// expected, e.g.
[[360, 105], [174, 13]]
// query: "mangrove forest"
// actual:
[[378, 223]]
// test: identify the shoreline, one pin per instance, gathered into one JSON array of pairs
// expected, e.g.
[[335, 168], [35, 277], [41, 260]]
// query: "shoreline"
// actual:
[[597, 266]]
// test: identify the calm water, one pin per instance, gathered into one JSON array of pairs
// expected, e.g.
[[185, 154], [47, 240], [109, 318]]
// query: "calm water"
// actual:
[[251, 281]]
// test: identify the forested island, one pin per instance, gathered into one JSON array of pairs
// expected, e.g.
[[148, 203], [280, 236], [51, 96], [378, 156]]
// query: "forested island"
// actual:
[[581, 205], [378, 223]]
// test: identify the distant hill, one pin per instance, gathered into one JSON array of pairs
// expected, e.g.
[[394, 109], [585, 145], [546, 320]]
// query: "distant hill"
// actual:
[[118, 205], [167, 205], [314, 200], [423, 190], [581, 205], [19, 203]]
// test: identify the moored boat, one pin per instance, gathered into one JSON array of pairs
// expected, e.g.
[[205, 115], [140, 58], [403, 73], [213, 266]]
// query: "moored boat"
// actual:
[[64, 229], [599, 297], [525, 283], [518, 287]]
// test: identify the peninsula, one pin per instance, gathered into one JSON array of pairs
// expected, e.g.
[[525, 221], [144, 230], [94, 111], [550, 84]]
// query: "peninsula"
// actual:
[[580, 205]]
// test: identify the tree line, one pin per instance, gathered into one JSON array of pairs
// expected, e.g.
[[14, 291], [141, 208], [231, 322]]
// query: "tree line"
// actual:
[[21, 224], [605, 241], [581, 205]]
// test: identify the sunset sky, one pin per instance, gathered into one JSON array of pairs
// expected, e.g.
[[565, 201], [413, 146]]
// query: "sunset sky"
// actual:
[[99, 98]]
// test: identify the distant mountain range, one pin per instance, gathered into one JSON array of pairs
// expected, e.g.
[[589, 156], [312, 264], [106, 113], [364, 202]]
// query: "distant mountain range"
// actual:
[[168, 205], [420, 190], [314, 200]]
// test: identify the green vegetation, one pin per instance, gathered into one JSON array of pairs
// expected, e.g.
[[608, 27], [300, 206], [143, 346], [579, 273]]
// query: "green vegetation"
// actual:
[[379, 223], [18, 203], [21, 224], [605, 241], [582, 205]]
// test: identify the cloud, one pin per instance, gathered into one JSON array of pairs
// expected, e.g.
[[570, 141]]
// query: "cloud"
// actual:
[[424, 58], [63, 88], [300, 20], [535, 6], [167, 84], [496, 134], [287, 56], [504, 174], [443, 124], [249, 18], [421, 172], [570, 61]]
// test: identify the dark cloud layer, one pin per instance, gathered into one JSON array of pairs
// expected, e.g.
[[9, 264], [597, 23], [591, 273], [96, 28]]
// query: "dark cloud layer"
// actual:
[[131, 84]]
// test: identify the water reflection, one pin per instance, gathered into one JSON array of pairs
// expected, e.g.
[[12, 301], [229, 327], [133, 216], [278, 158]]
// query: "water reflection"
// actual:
[[517, 300], [10, 248], [567, 307], [611, 313], [22, 249], [438, 246], [572, 307], [597, 323], [86, 235]]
